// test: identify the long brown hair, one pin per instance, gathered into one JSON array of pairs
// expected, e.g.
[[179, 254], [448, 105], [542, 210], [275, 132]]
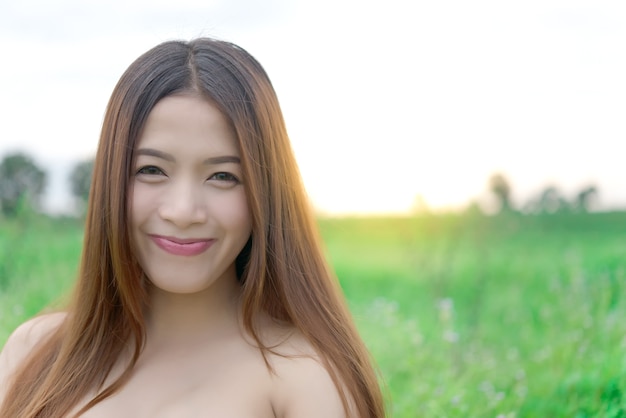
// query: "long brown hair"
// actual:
[[282, 269]]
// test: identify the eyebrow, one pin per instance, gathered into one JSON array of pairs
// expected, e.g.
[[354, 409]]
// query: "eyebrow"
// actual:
[[223, 159]]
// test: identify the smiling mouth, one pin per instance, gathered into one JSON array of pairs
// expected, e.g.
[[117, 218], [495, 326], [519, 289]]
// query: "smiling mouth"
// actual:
[[180, 246]]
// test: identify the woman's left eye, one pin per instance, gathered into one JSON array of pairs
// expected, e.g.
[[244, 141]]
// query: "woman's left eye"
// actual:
[[150, 170], [223, 176]]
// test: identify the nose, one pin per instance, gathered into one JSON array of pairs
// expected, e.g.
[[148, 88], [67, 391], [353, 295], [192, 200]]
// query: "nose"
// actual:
[[183, 205]]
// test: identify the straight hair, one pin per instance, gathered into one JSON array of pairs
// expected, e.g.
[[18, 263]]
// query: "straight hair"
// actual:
[[282, 269]]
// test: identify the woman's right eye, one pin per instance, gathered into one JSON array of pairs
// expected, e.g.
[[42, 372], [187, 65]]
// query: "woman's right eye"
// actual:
[[150, 170]]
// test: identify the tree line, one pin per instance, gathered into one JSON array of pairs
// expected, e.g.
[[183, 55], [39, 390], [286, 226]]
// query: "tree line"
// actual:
[[23, 182], [548, 200]]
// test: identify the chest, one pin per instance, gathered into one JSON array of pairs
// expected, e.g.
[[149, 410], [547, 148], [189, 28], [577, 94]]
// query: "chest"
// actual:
[[232, 384]]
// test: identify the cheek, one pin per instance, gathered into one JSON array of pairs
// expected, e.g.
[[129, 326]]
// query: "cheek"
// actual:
[[235, 215], [140, 203]]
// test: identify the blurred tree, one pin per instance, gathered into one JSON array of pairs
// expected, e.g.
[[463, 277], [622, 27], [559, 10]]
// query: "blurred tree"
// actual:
[[586, 198], [21, 183], [80, 182], [500, 187], [551, 201]]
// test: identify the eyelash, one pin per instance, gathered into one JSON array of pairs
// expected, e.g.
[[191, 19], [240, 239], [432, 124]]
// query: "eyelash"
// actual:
[[144, 169], [231, 177], [151, 170]]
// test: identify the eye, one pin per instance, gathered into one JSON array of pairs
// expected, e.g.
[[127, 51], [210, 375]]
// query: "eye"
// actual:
[[150, 170], [225, 177]]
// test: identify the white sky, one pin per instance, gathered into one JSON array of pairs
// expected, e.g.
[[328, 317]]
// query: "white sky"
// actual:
[[384, 100]]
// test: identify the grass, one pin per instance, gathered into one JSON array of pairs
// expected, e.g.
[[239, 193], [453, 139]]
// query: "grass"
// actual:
[[490, 317], [466, 316], [38, 264]]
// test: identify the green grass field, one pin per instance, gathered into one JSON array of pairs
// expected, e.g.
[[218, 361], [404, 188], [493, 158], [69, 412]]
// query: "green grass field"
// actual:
[[466, 316]]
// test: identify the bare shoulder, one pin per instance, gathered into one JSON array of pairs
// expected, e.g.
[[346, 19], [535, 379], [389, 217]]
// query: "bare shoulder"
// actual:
[[24, 339], [32, 331], [303, 386]]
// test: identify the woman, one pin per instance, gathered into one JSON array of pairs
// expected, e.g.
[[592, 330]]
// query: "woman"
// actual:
[[203, 290]]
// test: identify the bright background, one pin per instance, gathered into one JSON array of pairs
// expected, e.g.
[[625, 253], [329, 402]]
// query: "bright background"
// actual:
[[384, 100]]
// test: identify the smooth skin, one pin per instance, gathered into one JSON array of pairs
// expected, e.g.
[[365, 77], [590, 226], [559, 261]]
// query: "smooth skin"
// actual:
[[189, 220]]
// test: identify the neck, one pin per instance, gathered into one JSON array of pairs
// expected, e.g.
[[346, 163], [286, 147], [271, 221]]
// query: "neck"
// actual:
[[179, 319]]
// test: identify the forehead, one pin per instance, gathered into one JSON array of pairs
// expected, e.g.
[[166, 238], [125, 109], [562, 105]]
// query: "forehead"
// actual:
[[190, 122]]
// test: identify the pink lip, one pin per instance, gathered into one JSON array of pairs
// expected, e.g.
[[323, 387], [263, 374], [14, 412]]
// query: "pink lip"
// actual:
[[179, 246]]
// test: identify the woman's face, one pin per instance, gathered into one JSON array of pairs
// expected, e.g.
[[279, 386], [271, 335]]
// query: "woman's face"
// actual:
[[189, 213]]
